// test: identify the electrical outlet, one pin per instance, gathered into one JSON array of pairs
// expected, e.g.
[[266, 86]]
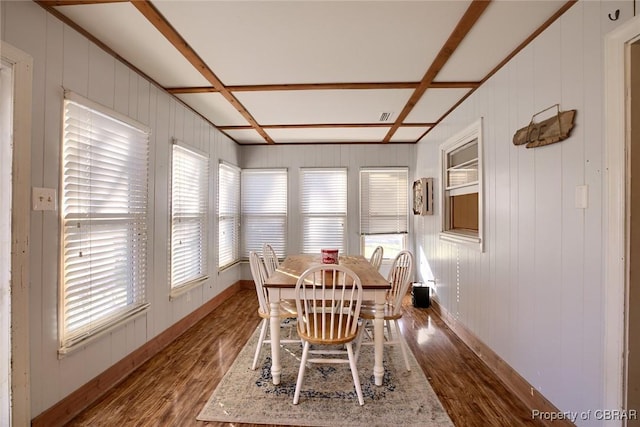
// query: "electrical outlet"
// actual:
[[44, 199]]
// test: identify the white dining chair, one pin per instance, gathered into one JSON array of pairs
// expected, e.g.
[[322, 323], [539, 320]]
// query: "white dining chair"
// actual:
[[287, 307], [328, 299], [399, 277], [376, 257], [270, 258]]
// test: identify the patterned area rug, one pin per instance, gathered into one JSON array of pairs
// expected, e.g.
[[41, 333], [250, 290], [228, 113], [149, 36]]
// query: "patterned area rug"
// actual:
[[328, 397]]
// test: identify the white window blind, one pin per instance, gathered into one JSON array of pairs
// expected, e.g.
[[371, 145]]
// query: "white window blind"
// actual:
[[104, 219], [189, 216], [264, 210], [228, 215], [384, 205], [323, 207], [384, 209]]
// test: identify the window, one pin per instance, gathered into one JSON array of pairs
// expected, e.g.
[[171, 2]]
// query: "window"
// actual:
[[384, 210], [189, 216], [461, 160], [264, 210], [228, 215], [104, 219], [323, 207]]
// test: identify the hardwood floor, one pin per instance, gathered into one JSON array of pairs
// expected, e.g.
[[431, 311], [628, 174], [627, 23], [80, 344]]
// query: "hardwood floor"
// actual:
[[171, 388]]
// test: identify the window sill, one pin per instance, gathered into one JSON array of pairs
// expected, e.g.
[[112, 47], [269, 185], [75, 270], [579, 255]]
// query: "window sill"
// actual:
[[80, 343], [466, 238], [228, 266], [182, 289]]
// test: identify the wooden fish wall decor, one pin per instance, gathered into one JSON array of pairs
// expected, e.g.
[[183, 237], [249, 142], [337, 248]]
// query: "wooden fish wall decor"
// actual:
[[553, 129]]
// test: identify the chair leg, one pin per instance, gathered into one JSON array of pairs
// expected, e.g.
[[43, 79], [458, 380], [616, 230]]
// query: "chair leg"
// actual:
[[360, 336], [263, 333], [403, 345], [354, 372], [303, 362]]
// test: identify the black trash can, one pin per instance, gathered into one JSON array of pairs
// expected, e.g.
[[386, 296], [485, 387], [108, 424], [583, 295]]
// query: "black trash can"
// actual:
[[420, 295]]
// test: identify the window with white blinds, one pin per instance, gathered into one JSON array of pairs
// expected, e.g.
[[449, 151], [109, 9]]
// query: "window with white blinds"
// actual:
[[323, 209], [384, 209], [189, 216], [264, 210], [228, 215], [104, 219]]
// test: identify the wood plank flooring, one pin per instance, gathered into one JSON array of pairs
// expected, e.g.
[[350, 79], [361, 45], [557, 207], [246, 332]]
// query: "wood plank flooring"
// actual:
[[171, 388]]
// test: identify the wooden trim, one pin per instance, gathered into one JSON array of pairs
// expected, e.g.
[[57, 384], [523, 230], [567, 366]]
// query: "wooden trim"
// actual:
[[325, 125], [157, 20], [324, 86], [45, 5], [528, 394], [63, 411], [521, 46], [53, 3], [471, 16], [616, 268], [20, 232]]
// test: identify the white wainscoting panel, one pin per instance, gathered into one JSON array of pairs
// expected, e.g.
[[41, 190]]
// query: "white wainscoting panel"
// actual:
[[535, 295]]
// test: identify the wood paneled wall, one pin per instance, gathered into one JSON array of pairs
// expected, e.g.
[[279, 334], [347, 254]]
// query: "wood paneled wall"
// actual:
[[535, 295], [63, 59]]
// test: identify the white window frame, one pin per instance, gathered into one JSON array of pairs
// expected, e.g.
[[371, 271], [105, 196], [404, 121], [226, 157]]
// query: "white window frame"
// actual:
[[233, 215], [264, 210], [189, 243], [472, 133], [402, 208], [102, 215], [308, 212]]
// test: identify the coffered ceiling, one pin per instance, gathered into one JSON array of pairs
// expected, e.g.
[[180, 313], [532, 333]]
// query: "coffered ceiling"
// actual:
[[286, 72]]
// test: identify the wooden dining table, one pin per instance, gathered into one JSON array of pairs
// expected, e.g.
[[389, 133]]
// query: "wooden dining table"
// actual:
[[281, 285]]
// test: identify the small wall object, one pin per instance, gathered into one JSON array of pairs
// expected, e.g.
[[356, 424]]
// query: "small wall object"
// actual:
[[553, 129], [423, 196]]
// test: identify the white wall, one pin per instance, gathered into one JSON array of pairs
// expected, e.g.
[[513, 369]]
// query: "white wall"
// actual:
[[353, 157], [63, 59], [535, 296]]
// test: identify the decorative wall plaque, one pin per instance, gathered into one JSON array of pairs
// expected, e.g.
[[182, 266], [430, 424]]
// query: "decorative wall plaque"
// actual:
[[423, 196], [553, 129]]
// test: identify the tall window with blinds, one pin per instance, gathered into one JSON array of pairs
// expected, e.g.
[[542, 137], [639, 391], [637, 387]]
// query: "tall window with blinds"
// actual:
[[189, 216], [384, 210], [323, 209], [104, 204], [228, 215], [264, 210]]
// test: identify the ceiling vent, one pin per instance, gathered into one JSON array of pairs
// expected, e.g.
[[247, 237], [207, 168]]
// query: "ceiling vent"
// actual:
[[385, 116]]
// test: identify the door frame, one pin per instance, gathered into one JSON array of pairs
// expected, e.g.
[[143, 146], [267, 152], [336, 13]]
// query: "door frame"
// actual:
[[20, 218], [617, 136]]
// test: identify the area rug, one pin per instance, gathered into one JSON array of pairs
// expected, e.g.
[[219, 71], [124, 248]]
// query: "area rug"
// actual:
[[328, 397]]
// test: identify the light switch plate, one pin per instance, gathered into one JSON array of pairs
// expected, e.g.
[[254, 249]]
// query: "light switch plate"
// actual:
[[44, 199], [582, 197]]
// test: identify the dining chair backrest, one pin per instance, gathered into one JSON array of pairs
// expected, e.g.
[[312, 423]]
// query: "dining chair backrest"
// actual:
[[328, 299], [399, 277], [259, 274], [271, 262], [376, 257]]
